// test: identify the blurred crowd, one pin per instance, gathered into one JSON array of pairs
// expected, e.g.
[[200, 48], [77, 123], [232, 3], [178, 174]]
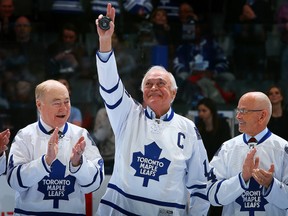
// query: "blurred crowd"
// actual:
[[209, 46]]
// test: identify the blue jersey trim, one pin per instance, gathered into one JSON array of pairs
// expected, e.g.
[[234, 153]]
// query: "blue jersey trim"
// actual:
[[109, 91], [202, 196], [19, 177], [112, 205], [217, 189], [143, 199], [269, 189], [106, 60], [197, 186], [23, 212], [44, 164]]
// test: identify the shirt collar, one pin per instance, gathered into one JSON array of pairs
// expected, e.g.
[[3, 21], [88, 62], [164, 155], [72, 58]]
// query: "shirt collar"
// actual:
[[260, 137]]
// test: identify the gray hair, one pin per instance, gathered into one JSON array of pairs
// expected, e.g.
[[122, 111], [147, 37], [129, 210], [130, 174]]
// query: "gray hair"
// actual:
[[161, 68]]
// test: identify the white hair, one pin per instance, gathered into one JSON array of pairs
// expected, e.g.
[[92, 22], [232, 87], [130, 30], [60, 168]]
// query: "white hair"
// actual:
[[161, 68]]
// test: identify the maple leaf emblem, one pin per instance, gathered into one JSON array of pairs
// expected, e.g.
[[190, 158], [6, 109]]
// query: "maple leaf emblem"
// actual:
[[149, 166], [56, 186], [252, 199]]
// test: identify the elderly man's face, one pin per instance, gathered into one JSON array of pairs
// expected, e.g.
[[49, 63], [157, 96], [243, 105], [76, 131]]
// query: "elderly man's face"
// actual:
[[55, 106], [248, 116], [157, 93]]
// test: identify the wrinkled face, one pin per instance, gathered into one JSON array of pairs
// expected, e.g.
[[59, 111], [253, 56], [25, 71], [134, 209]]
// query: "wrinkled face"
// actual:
[[275, 95], [249, 121], [55, 106], [204, 112], [157, 93]]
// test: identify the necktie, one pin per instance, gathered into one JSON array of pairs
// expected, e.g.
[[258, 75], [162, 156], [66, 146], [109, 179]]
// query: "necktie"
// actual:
[[60, 134], [252, 142]]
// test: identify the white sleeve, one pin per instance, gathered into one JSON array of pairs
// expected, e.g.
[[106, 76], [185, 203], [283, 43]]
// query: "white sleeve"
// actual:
[[90, 174], [23, 172], [220, 187], [2, 163], [277, 193], [197, 179]]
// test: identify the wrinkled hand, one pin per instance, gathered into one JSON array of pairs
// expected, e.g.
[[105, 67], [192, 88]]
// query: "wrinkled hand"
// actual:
[[250, 164], [264, 177], [4, 140], [52, 149], [77, 152]]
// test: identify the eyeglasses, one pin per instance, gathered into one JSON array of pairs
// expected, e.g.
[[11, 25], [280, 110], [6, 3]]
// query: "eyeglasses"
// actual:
[[245, 111]]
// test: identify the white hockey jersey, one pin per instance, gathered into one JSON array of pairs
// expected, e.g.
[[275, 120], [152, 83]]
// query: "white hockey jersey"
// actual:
[[55, 190], [2, 163], [249, 199], [157, 161]]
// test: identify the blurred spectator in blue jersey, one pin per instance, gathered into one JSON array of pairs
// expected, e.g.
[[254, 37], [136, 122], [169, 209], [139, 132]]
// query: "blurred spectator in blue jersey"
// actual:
[[200, 65]]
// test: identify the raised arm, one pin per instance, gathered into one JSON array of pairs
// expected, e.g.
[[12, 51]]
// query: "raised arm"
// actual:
[[105, 41]]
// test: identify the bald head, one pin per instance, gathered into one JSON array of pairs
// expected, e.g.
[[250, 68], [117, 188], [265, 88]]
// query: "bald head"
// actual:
[[46, 87], [256, 112], [259, 100]]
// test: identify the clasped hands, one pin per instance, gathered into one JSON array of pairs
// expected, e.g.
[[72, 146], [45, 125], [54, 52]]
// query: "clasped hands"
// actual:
[[52, 149], [251, 169]]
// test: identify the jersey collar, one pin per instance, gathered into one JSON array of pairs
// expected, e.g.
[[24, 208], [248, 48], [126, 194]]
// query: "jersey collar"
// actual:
[[45, 128], [166, 117], [261, 137]]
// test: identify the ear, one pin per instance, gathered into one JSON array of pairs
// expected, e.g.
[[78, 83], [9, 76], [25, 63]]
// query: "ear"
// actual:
[[173, 95], [263, 116], [38, 104]]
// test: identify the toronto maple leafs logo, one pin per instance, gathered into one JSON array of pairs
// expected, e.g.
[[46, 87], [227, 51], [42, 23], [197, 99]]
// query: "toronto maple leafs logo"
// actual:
[[150, 166], [252, 199], [56, 186]]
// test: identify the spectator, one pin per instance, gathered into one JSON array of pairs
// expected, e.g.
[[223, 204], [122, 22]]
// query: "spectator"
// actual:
[[249, 22], [161, 27], [214, 129], [279, 119], [75, 114], [65, 54], [127, 64], [200, 65], [70, 11], [25, 52], [105, 139], [7, 19], [4, 140], [171, 7], [136, 12], [22, 110], [282, 23], [52, 173], [250, 171], [157, 152]]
